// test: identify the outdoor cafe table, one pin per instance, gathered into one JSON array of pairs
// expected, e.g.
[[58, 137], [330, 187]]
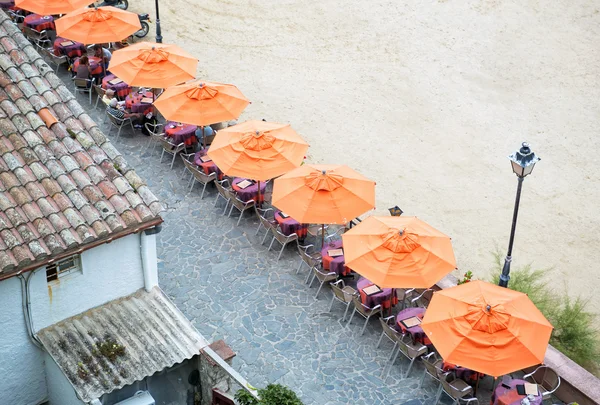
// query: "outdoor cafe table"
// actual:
[[386, 297], [510, 396], [462, 372], [133, 101], [121, 89], [416, 332], [208, 167], [289, 225], [75, 49], [185, 133], [335, 264], [250, 192], [95, 66], [39, 22]]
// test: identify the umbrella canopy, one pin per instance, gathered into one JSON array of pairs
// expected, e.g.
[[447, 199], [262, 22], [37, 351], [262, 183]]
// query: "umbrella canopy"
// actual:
[[148, 64], [52, 7], [97, 25], [487, 328], [257, 150], [201, 103], [402, 252], [324, 194]]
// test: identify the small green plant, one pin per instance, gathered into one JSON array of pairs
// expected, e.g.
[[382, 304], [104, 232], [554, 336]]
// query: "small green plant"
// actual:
[[72, 133], [575, 333], [273, 394], [466, 278]]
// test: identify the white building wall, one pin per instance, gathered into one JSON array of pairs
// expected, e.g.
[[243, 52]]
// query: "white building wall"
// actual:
[[22, 377], [60, 390], [110, 271]]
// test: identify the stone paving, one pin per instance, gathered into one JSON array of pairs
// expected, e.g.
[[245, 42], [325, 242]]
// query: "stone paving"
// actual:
[[232, 288]]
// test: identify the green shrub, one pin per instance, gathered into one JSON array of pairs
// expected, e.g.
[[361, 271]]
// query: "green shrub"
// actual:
[[575, 333], [273, 394]]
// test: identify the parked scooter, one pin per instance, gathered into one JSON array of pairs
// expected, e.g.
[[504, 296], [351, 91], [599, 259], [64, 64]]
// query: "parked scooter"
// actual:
[[122, 4], [145, 27]]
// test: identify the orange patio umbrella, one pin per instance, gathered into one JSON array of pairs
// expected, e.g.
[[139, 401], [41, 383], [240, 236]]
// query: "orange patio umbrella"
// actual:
[[324, 194], [52, 7], [402, 252], [257, 150], [201, 103], [487, 328], [97, 25], [154, 65]]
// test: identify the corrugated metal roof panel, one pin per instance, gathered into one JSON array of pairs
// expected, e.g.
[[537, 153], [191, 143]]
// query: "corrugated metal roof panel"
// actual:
[[149, 333]]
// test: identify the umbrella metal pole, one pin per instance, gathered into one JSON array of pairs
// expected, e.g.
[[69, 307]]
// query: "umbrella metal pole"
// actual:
[[258, 204], [322, 236]]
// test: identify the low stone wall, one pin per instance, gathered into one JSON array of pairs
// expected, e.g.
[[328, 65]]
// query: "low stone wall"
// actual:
[[577, 384]]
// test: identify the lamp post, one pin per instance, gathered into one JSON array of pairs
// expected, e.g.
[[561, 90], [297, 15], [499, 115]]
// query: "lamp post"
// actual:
[[158, 33], [522, 162]]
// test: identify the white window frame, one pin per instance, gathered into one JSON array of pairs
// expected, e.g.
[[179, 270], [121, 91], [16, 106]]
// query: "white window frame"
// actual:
[[68, 270]]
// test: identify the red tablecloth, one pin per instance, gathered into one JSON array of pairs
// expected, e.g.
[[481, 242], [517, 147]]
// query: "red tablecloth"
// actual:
[[95, 66], [250, 192], [289, 225], [39, 22], [178, 134], [133, 101], [509, 396], [416, 332], [207, 167], [336, 264], [121, 89], [463, 373], [74, 50], [386, 298]]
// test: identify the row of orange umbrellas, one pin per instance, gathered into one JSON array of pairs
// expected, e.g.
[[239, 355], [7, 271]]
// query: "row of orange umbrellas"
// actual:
[[477, 325]]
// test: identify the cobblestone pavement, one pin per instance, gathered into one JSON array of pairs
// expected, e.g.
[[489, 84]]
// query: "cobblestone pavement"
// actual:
[[232, 288]]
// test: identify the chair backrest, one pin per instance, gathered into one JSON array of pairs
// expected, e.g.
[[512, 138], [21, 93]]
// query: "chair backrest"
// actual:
[[322, 276], [167, 145], [203, 177], [308, 259], [31, 33], [154, 129], [423, 299], [81, 83], [454, 392], [263, 217], [430, 365], [283, 238], [337, 290], [222, 188], [360, 307], [115, 120], [547, 377], [388, 329], [99, 90]]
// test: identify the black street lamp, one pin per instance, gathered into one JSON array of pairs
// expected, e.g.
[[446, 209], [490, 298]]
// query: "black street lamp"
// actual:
[[522, 162], [158, 33]]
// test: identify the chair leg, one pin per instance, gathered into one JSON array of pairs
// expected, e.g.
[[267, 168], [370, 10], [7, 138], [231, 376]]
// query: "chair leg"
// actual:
[[331, 304], [173, 161], [351, 316], [422, 379], [271, 245], [258, 229], [162, 155], [319, 290], [265, 238], [240, 218], [311, 275], [119, 133], [203, 190], [230, 210], [346, 311], [365, 326], [300, 266], [380, 339], [439, 394], [409, 367], [226, 205], [393, 351], [281, 251]]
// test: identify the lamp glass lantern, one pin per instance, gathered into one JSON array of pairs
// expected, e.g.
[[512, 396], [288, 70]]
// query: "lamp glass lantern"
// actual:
[[523, 161]]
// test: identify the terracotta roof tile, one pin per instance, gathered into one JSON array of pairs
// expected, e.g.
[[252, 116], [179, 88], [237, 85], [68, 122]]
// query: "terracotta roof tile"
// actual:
[[58, 190]]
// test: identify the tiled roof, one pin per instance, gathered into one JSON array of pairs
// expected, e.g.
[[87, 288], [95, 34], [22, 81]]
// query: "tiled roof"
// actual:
[[148, 330], [64, 186]]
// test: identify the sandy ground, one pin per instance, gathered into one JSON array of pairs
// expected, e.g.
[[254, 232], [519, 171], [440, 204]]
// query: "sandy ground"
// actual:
[[428, 98]]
